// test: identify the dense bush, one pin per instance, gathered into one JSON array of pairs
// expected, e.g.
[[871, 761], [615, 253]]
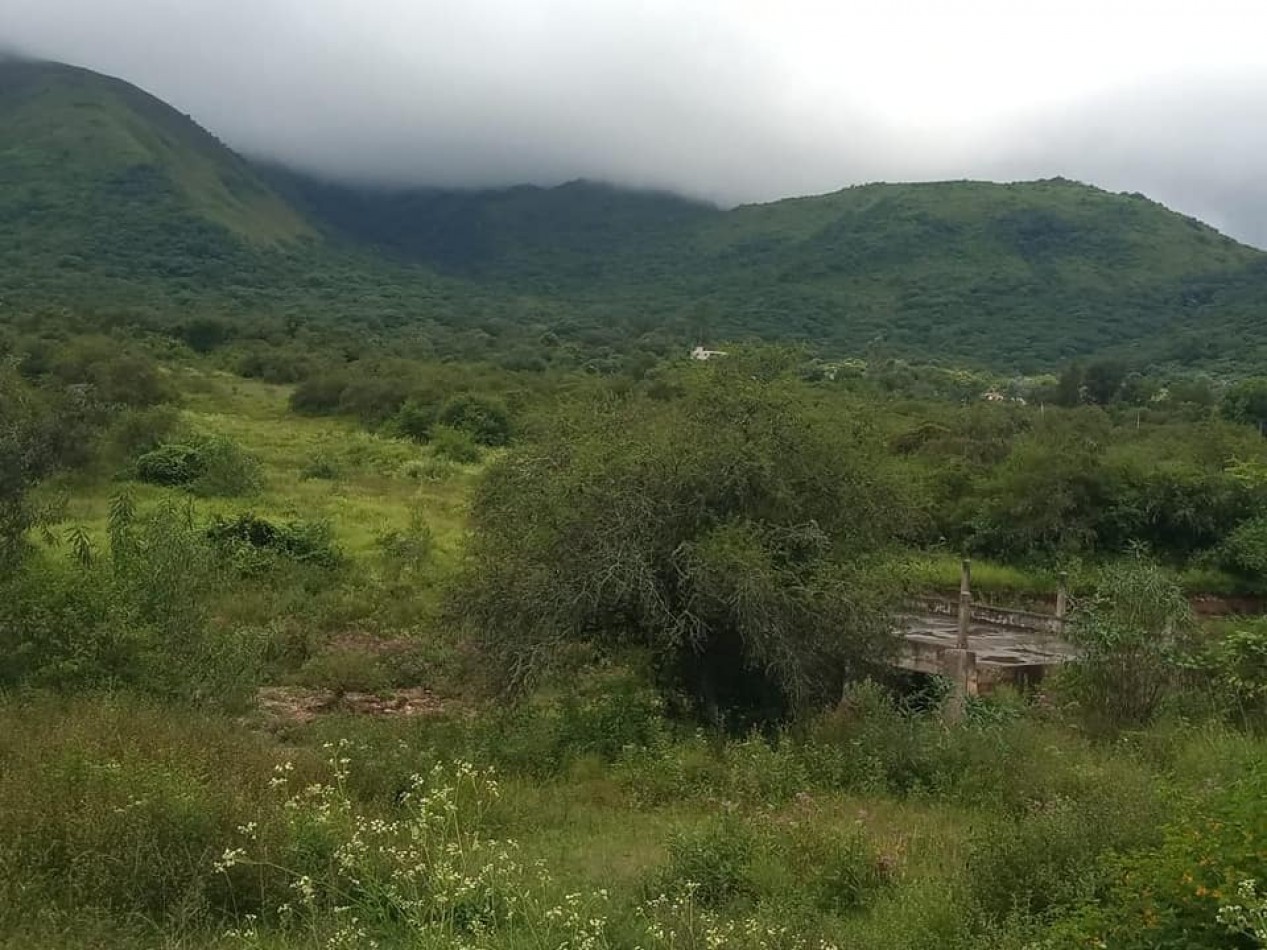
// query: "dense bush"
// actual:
[[486, 420], [454, 445], [209, 467], [172, 464], [671, 526], [1236, 665], [135, 615], [1244, 551], [252, 544], [1171, 895], [116, 374], [1131, 635], [712, 863], [42, 431], [228, 471], [319, 395]]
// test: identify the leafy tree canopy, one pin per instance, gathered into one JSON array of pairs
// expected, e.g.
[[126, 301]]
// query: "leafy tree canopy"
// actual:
[[733, 532]]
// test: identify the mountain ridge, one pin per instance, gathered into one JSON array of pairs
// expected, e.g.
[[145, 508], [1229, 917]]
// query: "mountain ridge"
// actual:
[[109, 193]]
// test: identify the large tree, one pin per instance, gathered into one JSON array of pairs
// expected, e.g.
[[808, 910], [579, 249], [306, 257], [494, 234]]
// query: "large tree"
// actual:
[[737, 532]]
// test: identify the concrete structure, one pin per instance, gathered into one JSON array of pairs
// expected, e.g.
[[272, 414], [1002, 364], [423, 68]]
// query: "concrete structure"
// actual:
[[978, 647]]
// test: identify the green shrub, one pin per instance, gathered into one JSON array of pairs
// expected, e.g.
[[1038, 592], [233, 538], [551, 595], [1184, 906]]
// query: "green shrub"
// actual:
[[486, 420], [253, 544], [713, 863], [172, 464], [415, 419], [1047, 858], [319, 395], [1237, 665], [757, 587], [135, 432], [454, 445], [214, 466], [1171, 894], [135, 616], [1244, 551], [227, 470], [1131, 634]]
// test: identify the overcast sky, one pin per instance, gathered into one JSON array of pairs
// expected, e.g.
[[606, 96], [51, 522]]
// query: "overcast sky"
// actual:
[[734, 100]]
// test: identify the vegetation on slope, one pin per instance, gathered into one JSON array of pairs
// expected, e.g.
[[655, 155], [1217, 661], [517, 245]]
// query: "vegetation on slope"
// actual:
[[1018, 276], [117, 207]]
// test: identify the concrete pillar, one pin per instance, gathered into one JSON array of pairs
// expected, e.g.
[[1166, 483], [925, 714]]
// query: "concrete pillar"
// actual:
[[965, 603], [960, 667], [1062, 601]]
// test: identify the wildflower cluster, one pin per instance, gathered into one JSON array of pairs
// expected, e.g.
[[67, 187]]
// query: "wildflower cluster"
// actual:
[[432, 873], [430, 868], [1249, 915], [679, 922]]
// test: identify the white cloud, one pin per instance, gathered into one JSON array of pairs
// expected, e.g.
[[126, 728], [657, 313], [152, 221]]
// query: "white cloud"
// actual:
[[732, 99]]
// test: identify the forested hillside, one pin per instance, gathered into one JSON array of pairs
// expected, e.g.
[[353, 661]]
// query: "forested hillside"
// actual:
[[115, 203]]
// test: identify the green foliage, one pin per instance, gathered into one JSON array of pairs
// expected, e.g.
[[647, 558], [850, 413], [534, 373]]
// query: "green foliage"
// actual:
[[172, 464], [1130, 634], [712, 863], [1244, 550], [43, 430], [1246, 402], [1237, 666], [1172, 895], [253, 544], [136, 432], [454, 445], [319, 395], [415, 419], [115, 374], [227, 470], [486, 420], [668, 525], [135, 616], [212, 467], [1049, 858]]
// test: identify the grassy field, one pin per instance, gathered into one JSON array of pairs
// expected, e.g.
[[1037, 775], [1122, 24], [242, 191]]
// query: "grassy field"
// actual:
[[371, 488], [373, 795]]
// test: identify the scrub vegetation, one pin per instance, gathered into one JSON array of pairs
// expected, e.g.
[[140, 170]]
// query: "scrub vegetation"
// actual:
[[283, 671], [377, 571]]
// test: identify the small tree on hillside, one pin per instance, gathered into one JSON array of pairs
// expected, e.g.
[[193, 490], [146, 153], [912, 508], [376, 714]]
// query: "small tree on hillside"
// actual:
[[736, 533]]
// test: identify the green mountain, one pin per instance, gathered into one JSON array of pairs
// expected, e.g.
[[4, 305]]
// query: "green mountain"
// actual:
[[1020, 274], [111, 200]]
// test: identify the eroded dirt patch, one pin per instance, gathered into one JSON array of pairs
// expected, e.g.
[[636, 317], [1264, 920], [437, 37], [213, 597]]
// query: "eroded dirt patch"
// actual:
[[290, 705]]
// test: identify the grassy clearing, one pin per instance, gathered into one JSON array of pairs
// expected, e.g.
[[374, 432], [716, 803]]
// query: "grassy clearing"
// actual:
[[1006, 583], [372, 489]]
